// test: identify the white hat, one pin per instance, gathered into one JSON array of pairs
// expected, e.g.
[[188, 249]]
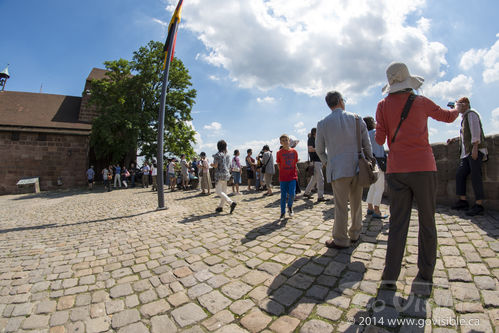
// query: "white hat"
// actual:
[[399, 78]]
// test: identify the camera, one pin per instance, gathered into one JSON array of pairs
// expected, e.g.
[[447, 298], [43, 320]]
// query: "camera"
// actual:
[[451, 104]]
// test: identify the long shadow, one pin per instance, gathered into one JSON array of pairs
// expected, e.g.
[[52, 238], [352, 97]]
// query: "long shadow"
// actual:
[[264, 230], [60, 193], [487, 222], [196, 218], [53, 225], [197, 195]]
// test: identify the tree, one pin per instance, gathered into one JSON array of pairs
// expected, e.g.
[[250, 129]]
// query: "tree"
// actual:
[[128, 102]]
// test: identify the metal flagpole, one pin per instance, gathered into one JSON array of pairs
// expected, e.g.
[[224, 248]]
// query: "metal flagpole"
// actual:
[[161, 117]]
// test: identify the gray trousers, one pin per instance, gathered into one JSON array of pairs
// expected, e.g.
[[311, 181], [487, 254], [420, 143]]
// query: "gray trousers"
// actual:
[[404, 187]]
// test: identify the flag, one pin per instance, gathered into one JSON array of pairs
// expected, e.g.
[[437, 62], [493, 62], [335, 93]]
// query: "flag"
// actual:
[[172, 32]]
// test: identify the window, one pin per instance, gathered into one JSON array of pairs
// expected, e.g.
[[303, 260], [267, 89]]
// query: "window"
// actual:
[[42, 137]]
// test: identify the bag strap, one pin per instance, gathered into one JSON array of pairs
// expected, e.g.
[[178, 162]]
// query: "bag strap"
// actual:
[[357, 133], [404, 114]]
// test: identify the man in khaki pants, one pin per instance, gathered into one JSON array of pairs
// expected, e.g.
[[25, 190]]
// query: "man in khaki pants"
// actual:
[[337, 134]]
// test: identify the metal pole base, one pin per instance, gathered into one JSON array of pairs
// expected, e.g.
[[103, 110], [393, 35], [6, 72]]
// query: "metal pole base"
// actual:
[[161, 208]]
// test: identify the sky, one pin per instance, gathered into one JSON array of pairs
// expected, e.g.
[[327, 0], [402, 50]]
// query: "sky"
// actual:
[[261, 68]]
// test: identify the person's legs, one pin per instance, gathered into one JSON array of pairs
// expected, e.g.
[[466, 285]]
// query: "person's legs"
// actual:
[[284, 192], [461, 174], [311, 184], [400, 215], [341, 190], [355, 198], [379, 188], [424, 186], [154, 178], [221, 188], [319, 179], [291, 194], [268, 182], [476, 177]]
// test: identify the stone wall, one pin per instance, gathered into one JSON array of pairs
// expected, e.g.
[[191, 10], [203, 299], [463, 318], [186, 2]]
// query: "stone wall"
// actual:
[[447, 159], [44, 155]]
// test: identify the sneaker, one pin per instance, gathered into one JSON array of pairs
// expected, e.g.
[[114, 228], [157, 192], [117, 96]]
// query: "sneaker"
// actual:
[[219, 209], [370, 212], [475, 210], [232, 206], [307, 196], [290, 212], [460, 205], [322, 199], [282, 216]]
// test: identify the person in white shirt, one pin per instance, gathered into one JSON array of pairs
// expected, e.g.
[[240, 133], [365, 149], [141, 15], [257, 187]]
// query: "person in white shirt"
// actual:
[[473, 151], [154, 174]]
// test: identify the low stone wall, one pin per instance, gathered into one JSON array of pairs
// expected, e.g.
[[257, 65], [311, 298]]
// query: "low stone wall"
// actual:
[[44, 155], [447, 159]]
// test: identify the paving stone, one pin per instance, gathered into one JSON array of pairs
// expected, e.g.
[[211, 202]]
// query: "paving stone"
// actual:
[[121, 290], [218, 320], [316, 326], [460, 274], [214, 301], [114, 306], [329, 312], [154, 308], [97, 310], [443, 297], [65, 302], [255, 320], [303, 308], [475, 322], [301, 281], [236, 289], [255, 277], [232, 328], [80, 313], [188, 314], [97, 325], [465, 291], [22, 309], [36, 321], [490, 298], [134, 328], [466, 307], [59, 318], [241, 306], [485, 282], [125, 318], [284, 324], [162, 324]]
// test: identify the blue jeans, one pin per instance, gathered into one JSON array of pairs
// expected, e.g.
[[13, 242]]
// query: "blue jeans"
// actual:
[[287, 189]]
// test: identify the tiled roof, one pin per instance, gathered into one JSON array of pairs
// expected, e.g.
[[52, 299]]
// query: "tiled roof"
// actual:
[[25, 109]]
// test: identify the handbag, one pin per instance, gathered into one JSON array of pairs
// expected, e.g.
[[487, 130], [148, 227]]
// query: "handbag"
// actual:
[[367, 169], [265, 166], [234, 167], [381, 162]]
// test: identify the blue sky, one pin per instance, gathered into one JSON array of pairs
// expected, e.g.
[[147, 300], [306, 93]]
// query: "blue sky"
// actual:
[[262, 68]]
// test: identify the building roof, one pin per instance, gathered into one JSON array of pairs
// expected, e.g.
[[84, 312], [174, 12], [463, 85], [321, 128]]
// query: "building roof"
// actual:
[[97, 74], [42, 111]]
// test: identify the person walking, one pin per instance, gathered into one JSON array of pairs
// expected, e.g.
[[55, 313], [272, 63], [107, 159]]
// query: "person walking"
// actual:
[[473, 149], [221, 163], [268, 168], [318, 177], [376, 190], [337, 133], [411, 169], [184, 172], [171, 174], [90, 177], [286, 160]]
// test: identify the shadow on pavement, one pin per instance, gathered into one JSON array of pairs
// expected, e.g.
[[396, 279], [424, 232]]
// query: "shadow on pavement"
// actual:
[[264, 230], [53, 225]]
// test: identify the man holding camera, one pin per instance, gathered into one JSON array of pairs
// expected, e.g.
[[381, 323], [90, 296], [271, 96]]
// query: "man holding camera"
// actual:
[[473, 152]]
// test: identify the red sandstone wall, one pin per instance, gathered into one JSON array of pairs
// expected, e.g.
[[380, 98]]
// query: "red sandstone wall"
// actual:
[[59, 155]]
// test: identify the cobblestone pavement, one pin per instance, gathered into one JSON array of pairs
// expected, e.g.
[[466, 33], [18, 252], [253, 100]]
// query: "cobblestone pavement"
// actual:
[[109, 262]]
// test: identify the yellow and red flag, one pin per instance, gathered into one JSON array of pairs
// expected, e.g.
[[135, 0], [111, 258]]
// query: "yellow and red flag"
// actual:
[[172, 32]]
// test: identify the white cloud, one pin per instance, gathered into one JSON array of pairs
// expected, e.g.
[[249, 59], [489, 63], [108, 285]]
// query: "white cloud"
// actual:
[[164, 24], [312, 46], [214, 126], [459, 86], [214, 78], [488, 57], [495, 120], [300, 128], [266, 99]]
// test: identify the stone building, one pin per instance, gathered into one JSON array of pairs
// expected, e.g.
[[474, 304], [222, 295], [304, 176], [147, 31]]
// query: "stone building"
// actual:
[[45, 136]]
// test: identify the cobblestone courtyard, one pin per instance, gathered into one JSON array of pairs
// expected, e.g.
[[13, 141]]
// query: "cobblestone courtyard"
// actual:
[[109, 262]]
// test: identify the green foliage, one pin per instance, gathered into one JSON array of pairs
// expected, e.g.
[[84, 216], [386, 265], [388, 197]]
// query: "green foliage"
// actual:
[[129, 101]]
